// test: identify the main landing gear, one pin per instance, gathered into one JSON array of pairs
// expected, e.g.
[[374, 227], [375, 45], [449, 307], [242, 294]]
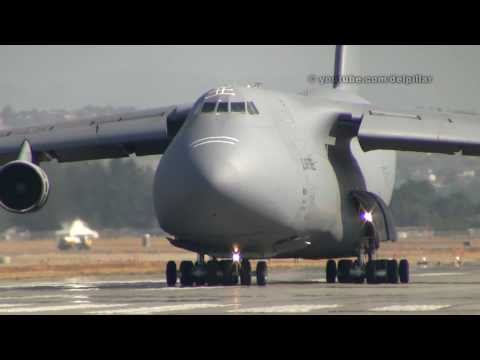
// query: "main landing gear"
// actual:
[[215, 273], [372, 270]]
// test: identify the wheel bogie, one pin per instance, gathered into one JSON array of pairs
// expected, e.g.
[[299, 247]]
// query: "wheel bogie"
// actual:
[[228, 272]]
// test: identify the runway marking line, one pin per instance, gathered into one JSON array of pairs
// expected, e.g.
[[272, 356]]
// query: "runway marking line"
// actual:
[[438, 274], [285, 309], [72, 286], [82, 289], [190, 288], [38, 309], [3, 306], [158, 309], [409, 308], [53, 296]]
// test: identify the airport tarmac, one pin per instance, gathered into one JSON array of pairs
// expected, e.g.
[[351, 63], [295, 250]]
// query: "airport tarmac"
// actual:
[[437, 290]]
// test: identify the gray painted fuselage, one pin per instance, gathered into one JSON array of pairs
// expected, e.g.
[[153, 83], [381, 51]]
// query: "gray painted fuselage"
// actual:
[[274, 184]]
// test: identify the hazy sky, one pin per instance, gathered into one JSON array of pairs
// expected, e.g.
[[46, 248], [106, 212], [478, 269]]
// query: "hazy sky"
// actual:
[[47, 77]]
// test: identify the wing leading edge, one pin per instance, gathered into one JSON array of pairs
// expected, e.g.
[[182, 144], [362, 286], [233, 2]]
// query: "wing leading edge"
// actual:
[[141, 133]]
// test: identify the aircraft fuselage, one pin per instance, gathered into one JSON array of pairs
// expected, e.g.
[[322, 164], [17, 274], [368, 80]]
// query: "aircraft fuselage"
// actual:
[[273, 182]]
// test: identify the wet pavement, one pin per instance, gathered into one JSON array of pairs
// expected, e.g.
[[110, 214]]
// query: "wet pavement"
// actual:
[[436, 290]]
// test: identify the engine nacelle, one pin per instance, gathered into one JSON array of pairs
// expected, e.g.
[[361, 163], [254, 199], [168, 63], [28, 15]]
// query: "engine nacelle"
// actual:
[[24, 187]]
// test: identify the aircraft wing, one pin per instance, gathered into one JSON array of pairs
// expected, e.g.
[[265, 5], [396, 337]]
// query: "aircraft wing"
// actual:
[[145, 132], [445, 133]]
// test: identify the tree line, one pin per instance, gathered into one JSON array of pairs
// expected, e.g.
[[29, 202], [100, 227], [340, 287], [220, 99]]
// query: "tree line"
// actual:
[[419, 204]]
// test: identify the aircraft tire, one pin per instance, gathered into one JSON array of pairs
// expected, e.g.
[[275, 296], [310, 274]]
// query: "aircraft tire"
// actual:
[[200, 281], [262, 273], [245, 273], [358, 279], [392, 272], [186, 273], [331, 271], [212, 270], [227, 269], [381, 265], [404, 271], [171, 274], [232, 273], [371, 272], [344, 267]]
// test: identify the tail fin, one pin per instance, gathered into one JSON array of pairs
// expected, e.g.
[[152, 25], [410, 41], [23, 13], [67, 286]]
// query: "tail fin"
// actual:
[[345, 65], [339, 70]]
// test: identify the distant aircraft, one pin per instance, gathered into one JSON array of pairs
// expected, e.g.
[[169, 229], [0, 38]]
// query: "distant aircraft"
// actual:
[[76, 235], [252, 174]]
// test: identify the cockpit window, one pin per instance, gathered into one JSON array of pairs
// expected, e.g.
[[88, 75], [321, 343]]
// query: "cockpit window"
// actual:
[[221, 103], [208, 107], [238, 107], [222, 107], [252, 109]]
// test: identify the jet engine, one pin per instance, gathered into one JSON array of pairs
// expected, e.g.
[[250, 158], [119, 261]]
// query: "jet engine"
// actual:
[[24, 187]]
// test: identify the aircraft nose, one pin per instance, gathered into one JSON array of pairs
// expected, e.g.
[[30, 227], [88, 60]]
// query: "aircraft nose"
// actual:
[[196, 190]]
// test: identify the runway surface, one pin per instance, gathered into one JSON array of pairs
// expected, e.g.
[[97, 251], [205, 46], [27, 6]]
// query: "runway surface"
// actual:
[[436, 290]]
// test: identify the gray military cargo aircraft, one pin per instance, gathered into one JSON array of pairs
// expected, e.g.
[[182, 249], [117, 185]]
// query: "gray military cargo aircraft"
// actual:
[[252, 174]]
